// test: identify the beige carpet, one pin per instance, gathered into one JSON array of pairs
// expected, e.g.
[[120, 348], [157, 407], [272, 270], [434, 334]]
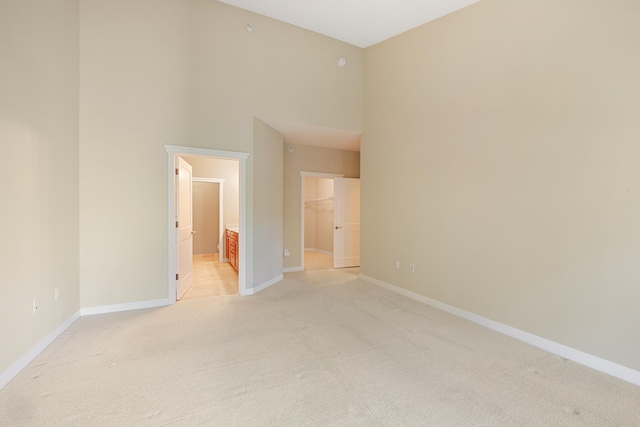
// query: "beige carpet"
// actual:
[[321, 348]]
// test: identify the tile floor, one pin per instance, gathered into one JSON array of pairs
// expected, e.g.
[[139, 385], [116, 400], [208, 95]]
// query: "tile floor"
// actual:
[[212, 278]]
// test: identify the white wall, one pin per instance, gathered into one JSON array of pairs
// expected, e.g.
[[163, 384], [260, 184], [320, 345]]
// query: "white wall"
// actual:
[[39, 142]]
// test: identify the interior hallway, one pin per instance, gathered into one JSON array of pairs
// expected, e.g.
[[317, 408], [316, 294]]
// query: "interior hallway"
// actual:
[[211, 278]]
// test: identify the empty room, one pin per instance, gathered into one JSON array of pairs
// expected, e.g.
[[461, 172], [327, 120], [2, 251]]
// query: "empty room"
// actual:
[[495, 144]]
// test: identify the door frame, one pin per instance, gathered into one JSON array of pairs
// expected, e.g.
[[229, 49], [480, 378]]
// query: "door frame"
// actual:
[[220, 213], [304, 174], [173, 152]]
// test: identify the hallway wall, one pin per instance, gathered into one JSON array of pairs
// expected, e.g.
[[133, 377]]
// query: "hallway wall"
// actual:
[[206, 218]]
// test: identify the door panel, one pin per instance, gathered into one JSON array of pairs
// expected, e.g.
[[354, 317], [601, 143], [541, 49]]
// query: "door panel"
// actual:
[[185, 229], [346, 237]]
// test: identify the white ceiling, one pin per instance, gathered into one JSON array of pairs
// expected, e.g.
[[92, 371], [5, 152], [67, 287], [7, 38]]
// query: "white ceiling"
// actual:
[[359, 22]]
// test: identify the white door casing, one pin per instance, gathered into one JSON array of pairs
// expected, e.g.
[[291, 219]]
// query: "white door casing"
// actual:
[[185, 227], [346, 235], [173, 153]]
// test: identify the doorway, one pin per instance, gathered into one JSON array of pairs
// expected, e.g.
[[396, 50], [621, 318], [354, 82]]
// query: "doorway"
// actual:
[[177, 264], [330, 228], [318, 223], [212, 274]]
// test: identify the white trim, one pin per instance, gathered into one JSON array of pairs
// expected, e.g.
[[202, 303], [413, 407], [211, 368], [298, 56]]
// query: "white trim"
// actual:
[[115, 308], [173, 152], [292, 269], [205, 152], [221, 231], [304, 174], [214, 180], [597, 363], [265, 285], [322, 174], [320, 251], [27, 358]]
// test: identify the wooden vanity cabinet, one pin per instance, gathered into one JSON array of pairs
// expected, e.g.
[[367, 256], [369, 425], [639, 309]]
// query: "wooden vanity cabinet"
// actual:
[[232, 248]]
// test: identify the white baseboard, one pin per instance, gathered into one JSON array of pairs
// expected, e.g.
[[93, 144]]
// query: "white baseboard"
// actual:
[[265, 285], [594, 362], [320, 251], [292, 269], [124, 307], [324, 252], [21, 363]]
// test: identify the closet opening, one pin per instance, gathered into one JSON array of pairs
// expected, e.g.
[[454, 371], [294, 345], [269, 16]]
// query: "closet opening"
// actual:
[[330, 221]]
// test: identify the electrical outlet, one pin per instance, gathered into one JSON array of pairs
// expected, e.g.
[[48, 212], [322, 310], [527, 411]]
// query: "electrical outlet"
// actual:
[[412, 268], [398, 265], [35, 306], [56, 294], [286, 252]]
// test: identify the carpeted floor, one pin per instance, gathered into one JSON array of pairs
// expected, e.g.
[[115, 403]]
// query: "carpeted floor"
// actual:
[[321, 348]]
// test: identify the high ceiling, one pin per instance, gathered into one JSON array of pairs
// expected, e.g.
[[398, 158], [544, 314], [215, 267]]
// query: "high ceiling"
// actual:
[[359, 22]]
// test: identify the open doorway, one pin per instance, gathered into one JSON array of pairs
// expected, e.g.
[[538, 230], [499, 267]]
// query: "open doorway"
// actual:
[[213, 274], [214, 209], [318, 222], [330, 221], [226, 172]]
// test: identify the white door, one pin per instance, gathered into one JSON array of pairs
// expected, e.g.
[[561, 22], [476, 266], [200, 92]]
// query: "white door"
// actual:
[[185, 228], [346, 221]]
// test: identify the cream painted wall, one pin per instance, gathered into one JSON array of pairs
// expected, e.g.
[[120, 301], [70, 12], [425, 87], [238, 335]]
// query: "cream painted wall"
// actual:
[[267, 203], [134, 98], [501, 157], [309, 159], [39, 140], [184, 72]]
